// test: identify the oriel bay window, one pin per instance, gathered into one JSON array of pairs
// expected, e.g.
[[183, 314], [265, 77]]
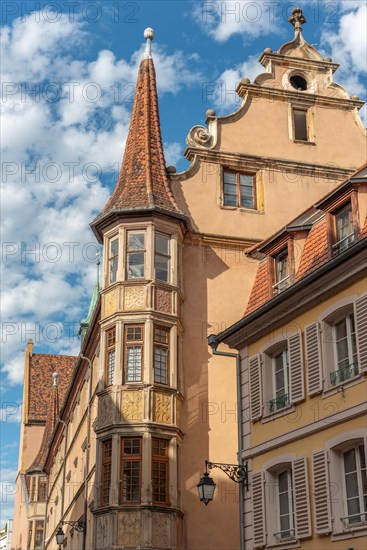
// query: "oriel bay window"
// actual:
[[106, 471], [162, 257], [130, 470], [161, 355], [110, 357], [160, 470], [239, 190], [133, 352], [135, 255]]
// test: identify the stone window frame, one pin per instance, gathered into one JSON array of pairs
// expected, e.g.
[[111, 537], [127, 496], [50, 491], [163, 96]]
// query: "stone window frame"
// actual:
[[238, 173], [137, 343]]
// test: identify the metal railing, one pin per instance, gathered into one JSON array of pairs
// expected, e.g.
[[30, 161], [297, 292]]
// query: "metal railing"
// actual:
[[285, 534], [347, 519], [278, 402], [343, 373], [343, 243], [281, 285]]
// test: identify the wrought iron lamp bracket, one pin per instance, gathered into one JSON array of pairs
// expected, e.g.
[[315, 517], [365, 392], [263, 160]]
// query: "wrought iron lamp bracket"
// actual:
[[77, 525], [236, 472]]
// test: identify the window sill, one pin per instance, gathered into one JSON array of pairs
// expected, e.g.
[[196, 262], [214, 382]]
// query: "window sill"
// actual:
[[357, 531], [278, 414], [243, 210], [332, 390], [291, 543], [304, 142]]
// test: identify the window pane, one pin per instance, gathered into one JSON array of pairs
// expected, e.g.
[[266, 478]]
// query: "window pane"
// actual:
[[247, 202], [230, 189], [162, 244], [351, 484], [161, 268], [134, 333], [230, 200], [135, 241], [229, 177], [135, 267], [350, 464], [114, 247], [133, 368], [160, 335]]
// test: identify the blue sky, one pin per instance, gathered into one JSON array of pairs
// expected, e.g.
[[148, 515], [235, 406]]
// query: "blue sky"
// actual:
[[68, 73]]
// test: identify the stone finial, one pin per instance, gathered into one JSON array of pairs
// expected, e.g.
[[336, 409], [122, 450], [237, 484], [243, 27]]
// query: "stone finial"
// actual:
[[149, 36], [297, 19], [210, 112], [55, 377]]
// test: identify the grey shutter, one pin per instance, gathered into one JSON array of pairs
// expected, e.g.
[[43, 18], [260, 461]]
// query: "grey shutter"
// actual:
[[255, 387], [296, 367], [258, 507], [321, 492], [313, 359], [301, 499], [360, 315]]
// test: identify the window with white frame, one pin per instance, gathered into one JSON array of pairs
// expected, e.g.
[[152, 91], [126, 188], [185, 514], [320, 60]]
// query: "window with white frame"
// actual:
[[282, 279], [355, 485], [345, 357], [343, 229], [280, 377], [162, 257], [135, 255], [281, 503], [113, 259], [285, 505]]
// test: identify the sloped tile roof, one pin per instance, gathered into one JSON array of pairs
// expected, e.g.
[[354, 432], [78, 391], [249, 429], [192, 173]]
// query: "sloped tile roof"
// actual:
[[260, 290], [143, 182], [315, 252], [41, 367]]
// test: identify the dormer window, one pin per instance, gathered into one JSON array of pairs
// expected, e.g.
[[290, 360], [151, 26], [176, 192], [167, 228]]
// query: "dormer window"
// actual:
[[239, 190], [282, 278], [343, 229]]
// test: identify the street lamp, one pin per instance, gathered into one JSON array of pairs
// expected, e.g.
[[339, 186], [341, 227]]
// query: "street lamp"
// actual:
[[206, 486], [60, 537], [77, 525]]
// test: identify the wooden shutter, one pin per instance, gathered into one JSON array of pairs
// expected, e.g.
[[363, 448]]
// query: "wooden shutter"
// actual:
[[360, 315], [255, 387], [301, 498], [321, 493], [296, 367], [258, 504], [313, 359]]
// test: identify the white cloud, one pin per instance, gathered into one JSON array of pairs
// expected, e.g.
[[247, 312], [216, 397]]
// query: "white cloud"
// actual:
[[61, 143], [221, 93], [7, 493], [172, 153], [221, 20], [348, 47]]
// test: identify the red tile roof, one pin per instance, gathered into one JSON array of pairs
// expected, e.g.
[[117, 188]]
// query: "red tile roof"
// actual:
[[143, 182], [52, 417], [260, 290], [315, 252], [41, 367]]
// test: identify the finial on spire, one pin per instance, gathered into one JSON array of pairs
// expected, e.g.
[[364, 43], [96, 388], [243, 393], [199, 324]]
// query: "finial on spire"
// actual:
[[149, 36], [55, 377], [297, 19]]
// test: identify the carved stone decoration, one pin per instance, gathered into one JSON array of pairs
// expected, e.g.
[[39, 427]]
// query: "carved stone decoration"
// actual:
[[128, 529], [131, 405], [106, 410], [162, 408], [103, 532], [199, 136], [163, 300], [160, 530], [109, 303], [134, 298]]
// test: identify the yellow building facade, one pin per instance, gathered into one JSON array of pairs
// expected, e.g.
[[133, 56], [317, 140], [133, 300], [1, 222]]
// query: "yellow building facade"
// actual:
[[146, 403], [303, 347]]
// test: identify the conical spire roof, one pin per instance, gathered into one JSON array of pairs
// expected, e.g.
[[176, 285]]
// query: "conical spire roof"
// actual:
[[143, 182]]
